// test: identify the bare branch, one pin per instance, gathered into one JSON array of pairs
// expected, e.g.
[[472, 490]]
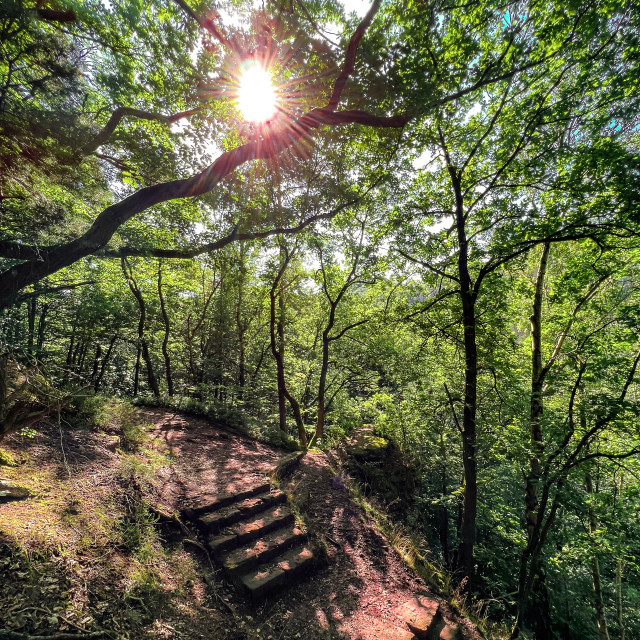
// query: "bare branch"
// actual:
[[347, 328], [62, 287]]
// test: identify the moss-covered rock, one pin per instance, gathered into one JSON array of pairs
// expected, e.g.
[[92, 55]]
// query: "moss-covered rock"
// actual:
[[366, 446], [382, 469], [7, 460], [12, 491]]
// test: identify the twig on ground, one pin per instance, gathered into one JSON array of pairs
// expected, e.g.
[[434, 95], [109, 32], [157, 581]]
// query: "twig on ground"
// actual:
[[52, 613], [14, 635], [170, 517]]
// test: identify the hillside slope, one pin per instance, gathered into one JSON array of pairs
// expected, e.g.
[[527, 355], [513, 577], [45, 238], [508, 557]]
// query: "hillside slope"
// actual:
[[93, 549]]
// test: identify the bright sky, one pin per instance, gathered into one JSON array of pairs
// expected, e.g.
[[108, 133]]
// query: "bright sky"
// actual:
[[359, 6]]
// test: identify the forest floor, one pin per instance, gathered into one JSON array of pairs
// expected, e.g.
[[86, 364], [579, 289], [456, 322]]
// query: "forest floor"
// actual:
[[87, 551]]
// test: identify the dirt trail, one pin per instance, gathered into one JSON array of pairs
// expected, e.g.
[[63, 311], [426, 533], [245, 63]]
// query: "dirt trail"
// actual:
[[63, 550], [206, 460], [360, 591]]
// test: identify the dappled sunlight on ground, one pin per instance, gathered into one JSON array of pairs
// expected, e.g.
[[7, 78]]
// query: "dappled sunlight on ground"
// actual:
[[111, 563]]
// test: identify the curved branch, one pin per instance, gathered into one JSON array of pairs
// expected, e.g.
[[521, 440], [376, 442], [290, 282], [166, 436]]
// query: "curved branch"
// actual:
[[234, 236], [422, 263], [208, 25], [122, 112], [51, 259], [55, 289], [350, 57]]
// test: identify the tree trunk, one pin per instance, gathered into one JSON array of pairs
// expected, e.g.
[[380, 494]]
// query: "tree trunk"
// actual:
[[143, 348], [96, 364], [67, 367], [4, 383], [241, 326], [444, 516], [619, 598], [282, 387], [466, 560], [31, 319], [103, 364], [136, 374], [41, 326], [82, 356], [167, 328], [598, 602], [530, 569], [322, 383], [151, 376], [283, 393], [536, 403]]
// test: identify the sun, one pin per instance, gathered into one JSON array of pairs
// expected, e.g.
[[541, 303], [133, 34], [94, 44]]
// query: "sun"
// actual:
[[256, 95]]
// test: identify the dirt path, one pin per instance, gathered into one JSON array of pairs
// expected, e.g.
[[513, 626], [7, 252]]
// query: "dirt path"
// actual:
[[68, 560], [363, 583], [206, 460]]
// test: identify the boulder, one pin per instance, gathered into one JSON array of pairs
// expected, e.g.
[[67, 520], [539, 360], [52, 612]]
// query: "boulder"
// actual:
[[366, 446], [11, 491]]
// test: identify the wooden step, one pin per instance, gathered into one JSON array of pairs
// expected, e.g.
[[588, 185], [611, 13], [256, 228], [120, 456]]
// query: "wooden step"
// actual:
[[206, 504], [256, 526], [259, 551], [215, 521], [267, 577]]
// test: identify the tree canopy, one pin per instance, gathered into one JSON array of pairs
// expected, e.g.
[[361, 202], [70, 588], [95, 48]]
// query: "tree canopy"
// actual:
[[435, 233]]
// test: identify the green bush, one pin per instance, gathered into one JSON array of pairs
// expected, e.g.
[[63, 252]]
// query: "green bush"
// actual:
[[90, 411]]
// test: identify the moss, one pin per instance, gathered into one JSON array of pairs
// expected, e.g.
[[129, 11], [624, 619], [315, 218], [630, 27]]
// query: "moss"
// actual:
[[7, 460], [369, 446]]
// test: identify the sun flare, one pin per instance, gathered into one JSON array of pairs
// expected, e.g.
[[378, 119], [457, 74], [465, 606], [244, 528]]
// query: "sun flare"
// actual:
[[256, 95]]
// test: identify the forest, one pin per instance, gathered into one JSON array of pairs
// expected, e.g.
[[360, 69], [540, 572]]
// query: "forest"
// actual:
[[301, 219]]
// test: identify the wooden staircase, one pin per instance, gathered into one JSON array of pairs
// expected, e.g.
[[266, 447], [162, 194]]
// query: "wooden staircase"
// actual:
[[254, 535]]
